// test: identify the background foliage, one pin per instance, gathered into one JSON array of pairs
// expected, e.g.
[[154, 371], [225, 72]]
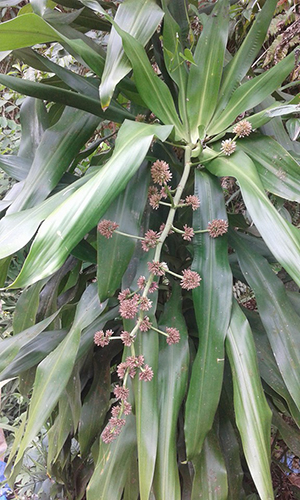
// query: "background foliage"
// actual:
[[116, 89]]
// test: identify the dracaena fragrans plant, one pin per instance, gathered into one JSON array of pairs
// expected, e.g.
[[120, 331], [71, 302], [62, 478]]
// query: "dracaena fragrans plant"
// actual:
[[131, 336]]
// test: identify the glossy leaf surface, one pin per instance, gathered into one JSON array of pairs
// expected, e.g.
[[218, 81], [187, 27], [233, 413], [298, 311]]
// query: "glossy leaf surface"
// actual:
[[113, 465], [127, 211], [280, 320], [252, 93], [210, 480], [25, 31], [205, 75], [53, 156], [54, 371], [152, 89], [282, 238], [212, 304], [253, 415], [57, 237], [67, 97], [140, 20], [278, 170], [172, 382], [237, 68], [18, 228]]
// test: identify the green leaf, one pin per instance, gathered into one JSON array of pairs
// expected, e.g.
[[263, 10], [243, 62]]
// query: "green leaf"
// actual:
[[95, 404], [252, 93], [67, 97], [279, 318], [172, 43], [127, 211], [173, 366], [18, 228], [151, 88], [205, 77], [81, 84], [278, 170], [239, 65], [268, 367], [33, 352], [211, 298], [34, 122], [25, 31], [146, 393], [253, 415], [293, 127], [15, 166], [131, 490], [282, 238], [26, 308], [289, 433], [231, 450], [11, 346], [54, 155], [59, 431], [210, 480], [140, 19], [54, 371], [113, 465], [65, 227]]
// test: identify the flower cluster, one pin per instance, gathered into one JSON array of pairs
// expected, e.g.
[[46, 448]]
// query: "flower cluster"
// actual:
[[157, 268], [107, 228], [188, 233], [150, 240], [116, 422], [102, 339], [131, 365], [160, 172], [129, 307], [161, 175], [193, 201], [217, 227], [173, 336], [190, 279], [228, 147], [243, 128]]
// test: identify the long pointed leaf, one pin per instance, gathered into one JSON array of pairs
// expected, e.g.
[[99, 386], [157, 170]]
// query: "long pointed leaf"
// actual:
[[18, 228], [278, 170], [280, 320], [25, 31], [252, 93], [67, 97], [239, 65], [205, 76], [177, 70], [172, 382], [210, 480], [152, 89], [11, 346], [54, 155], [127, 211], [33, 352], [83, 209], [268, 367], [54, 371], [113, 465], [212, 303], [282, 238], [140, 19], [253, 415]]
